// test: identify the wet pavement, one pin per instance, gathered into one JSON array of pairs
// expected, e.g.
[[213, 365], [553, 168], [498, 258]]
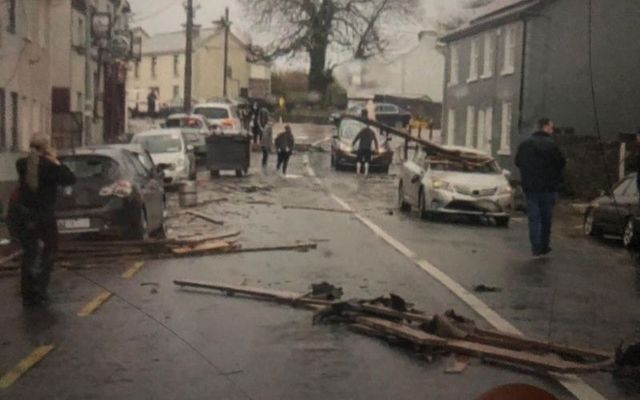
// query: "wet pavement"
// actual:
[[154, 341]]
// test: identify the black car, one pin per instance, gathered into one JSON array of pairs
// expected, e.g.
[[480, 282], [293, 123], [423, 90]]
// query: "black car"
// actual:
[[119, 193], [386, 113], [616, 213], [343, 155]]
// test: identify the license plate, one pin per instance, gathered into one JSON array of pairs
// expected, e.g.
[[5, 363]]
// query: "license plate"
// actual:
[[74, 224]]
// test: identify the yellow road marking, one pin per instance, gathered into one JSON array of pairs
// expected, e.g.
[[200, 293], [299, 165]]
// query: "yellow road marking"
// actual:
[[94, 304], [128, 274], [24, 366]]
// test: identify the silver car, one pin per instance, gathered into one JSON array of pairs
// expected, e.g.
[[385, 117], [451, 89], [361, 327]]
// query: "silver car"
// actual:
[[439, 185]]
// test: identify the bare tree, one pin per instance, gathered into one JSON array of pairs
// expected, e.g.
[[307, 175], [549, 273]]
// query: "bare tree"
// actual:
[[315, 26]]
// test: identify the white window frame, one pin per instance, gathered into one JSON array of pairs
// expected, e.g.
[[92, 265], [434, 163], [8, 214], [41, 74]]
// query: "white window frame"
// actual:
[[488, 131], [451, 127], [489, 56], [471, 126], [474, 60], [454, 68], [507, 124], [480, 137], [509, 62]]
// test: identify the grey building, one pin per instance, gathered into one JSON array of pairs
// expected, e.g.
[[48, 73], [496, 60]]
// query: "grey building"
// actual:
[[520, 60]]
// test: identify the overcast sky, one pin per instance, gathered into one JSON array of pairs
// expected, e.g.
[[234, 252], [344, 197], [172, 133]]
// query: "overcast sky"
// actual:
[[157, 16]]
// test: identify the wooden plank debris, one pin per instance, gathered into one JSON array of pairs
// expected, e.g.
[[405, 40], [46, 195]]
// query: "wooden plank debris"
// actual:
[[213, 245], [205, 217], [333, 210], [414, 328]]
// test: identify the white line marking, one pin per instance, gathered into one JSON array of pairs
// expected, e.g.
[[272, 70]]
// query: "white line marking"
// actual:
[[573, 383]]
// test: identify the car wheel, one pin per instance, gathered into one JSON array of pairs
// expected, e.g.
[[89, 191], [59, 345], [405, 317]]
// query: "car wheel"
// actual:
[[503, 222], [141, 231], [193, 175], [629, 237], [402, 203], [589, 227], [239, 173], [385, 169], [424, 213], [215, 173]]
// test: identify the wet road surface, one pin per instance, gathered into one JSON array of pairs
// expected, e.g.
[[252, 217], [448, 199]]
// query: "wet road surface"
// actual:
[[154, 341]]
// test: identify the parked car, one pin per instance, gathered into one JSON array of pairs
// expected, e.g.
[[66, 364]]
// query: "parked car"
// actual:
[[616, 213], [169, 147], [386, 113], [437, 185], [115, 195], [343, 155], [222, 117], [195, 128], [173, 106]]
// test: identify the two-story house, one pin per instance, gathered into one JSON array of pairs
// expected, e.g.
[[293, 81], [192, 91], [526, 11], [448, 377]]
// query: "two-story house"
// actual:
[[25, 80], [520, 60], [162, 66]]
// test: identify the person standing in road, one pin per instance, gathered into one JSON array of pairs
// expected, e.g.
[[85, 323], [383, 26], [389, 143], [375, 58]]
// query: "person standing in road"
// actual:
[[371, 110], [152, 97], [255, 122], [284, 147], [267, 137], [365, 139], [541, 165], [32, 216]]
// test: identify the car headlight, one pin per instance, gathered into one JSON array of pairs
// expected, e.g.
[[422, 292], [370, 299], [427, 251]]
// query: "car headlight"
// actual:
[[442, 185], [505, 190]]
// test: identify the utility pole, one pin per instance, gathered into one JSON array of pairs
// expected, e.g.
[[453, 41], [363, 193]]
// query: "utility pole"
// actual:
[[227, 26], [188, 68], [88, 78]]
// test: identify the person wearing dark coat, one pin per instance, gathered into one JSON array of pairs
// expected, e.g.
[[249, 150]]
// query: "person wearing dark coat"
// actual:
[[365, 139], [152, 97], [541, 165], [284, 147], [256, 128], [32, 216]]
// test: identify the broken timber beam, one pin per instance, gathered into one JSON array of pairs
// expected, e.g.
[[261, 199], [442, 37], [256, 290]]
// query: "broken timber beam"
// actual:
[[258, 293], [334, 210], [10, 257], [205, 217]]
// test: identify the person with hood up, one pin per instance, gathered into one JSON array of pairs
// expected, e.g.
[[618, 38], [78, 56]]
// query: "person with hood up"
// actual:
[[284, 147]]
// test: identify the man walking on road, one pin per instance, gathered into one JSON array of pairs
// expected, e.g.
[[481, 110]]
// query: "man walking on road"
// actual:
[[32, 218], [365, 139], [541, 166], [284, 147], [267, 137]]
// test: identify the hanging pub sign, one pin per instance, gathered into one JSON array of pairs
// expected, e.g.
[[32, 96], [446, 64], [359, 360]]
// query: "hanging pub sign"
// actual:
[[120, 46], [101, 26]]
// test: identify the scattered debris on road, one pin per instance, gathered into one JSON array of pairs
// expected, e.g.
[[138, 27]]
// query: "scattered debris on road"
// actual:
[[393, 319], [486, 289], [205, 217], [334, 210]]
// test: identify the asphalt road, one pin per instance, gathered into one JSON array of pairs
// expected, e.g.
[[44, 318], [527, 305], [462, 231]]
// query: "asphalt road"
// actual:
[[154, 341]]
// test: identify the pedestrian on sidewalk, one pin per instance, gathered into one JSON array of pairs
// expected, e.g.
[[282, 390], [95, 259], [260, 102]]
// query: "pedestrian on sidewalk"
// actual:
[[32, 216], [365, 139], [541, 165], [284, 147], [255, 122], [267, 137]]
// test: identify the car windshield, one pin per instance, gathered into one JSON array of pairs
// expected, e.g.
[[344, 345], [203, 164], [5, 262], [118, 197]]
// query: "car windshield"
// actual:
[[349, 129], [156, 144], [468, 167], [213, 112], [84, 167]]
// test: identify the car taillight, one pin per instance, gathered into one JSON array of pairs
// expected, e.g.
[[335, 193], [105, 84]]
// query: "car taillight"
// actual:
[[228, 123], [119, 189]]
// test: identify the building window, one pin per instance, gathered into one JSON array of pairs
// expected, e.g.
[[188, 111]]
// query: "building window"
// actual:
[[451, 127], [471, 125], [485, 130], [12, 16], [455, 66], [176, 65], [154, 64], [474, 60], [505, 134], [176, 91], [136, 69], [80, 34], [489, 56], [14, 121], [509, 51], [3, 122]]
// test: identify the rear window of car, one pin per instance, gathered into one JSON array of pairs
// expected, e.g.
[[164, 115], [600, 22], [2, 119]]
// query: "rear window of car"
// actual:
[[456, 166], [84, 167], [157, 144], [213, 112]]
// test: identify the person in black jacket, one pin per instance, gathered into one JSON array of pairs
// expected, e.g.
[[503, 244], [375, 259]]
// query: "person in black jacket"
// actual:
[[367, 141], [32, 216], [285, 143], [541, 166]]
